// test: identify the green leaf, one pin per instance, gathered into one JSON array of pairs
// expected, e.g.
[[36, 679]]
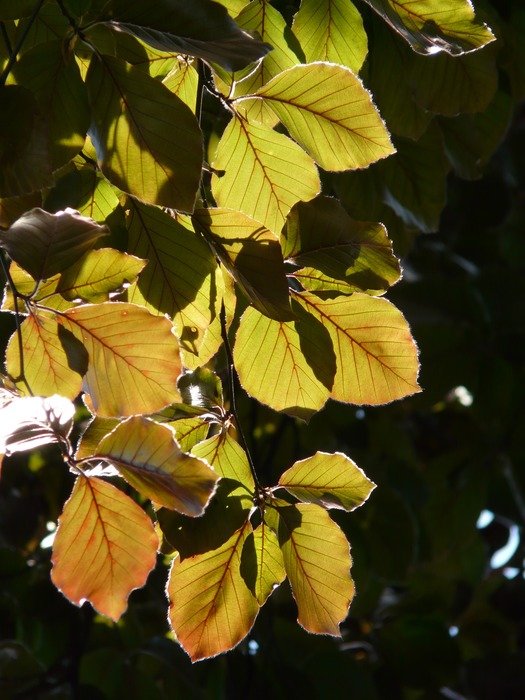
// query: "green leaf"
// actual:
[[105, 547], [211, 607], [52, 75], [202, 388], [331, 31], [180, 279], [12, 208], [338, 253], [251, 254], [44, 292], [327, 110], [14, 9], [45, 244], [330, 480], [99, 273], [97, 429], [430, 26], [203, 29], [133, 357], [150, 459], [270, 572], [415, 180], [260, 19], [376, 357], [135, 150], [449, 86], [25, 164], [54, 361], [317, 562], [85, 190], [183, 81], [288, 366], [262, 173], [228, 459], [190, 431]]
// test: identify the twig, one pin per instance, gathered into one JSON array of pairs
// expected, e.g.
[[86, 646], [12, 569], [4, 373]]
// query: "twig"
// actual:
[[16, 297]]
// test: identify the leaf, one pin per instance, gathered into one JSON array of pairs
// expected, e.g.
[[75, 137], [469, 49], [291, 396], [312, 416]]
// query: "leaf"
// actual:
[[331, 31], [339, 254], [150, 459], [12, 208], [54, 361], [44, 292], [270, 572], [415, 180], [14, 9], [50, 71], [262, 20], [87, 191], [190, 431], [376, 357], [105, 547], [135, 149], [44, 244], [211, 609], [202, 388], [25, 164], [262, 173], [183, 81], [97, 429], [330, 480], [431, 26], [287, 366], [203, 29], [99, 273], [179, 279], [251, 254], [317, 562], [330, 114], [133, 357]]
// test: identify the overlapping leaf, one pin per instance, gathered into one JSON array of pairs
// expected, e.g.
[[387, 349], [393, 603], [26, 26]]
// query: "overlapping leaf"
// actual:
[[317, 562], [330, 480], [270, 570], [211, 607], [190, 431], [44, 244], [183, 81], [288, 366], [137, 149], [338, 254], [180, 278], [431, 26], [87, 191], [105, 547], [377, 359], [327, 110], [262, 173], [54, 361], [134, 358], [251, 254], [331, 30], [150, 459], [26, 286]]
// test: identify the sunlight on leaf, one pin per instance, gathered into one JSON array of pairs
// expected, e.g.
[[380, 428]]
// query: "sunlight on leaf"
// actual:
[[270, 565]]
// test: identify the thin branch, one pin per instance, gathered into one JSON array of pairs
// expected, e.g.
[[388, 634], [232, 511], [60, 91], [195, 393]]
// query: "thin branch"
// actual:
[[514, 487], [5, 37], [201, 86], [233, 403], [13, 55]]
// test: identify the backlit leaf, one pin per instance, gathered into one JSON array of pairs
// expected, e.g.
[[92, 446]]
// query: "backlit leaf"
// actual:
[[44, 244], [431, 26], [288, 366], [202, 388], [26, 285], [190, 431], [270, 565], [262, 173], [93, 434], [331, 31], [203, 29], [211, 607], [179, 279], [52, 75], [136, 150], [150, 459], [105, 547], [227, 458], [327, 110], [377, 359], [25, 164], [251, 254], [317, 561], [98, 273], [330, 480], [338, 253], [87, 191], [12, 208], [133, 357], [54, 361], [183, 81]]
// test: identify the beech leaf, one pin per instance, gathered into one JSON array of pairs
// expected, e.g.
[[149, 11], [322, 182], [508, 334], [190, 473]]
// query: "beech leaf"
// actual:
[[134, 358], [105, 547], [270, 572], [149, 457], [330, 480]]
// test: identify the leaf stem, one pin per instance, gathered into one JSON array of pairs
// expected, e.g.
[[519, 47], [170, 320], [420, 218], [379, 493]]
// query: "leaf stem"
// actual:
[[14, 53], [201, 86], [233, 402]]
